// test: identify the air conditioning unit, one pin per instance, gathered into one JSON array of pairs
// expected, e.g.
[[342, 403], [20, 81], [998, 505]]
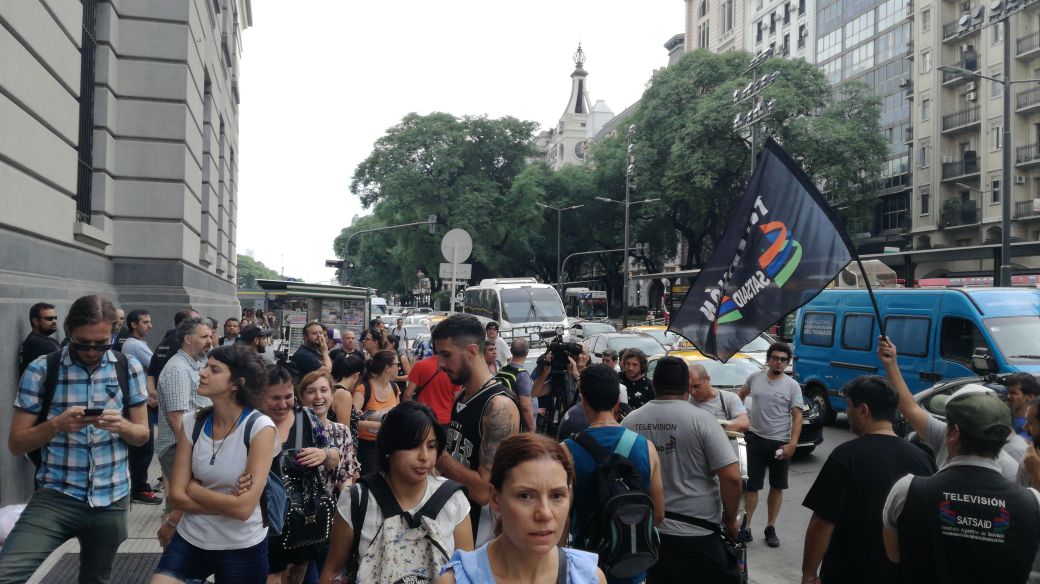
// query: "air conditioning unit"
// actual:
[[904, 82], [971, 96], [1020, 180], [971, 86]]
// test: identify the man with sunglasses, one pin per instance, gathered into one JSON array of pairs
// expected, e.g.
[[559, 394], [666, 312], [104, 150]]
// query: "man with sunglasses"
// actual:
[[776, 424], [44, 322], [83, 477]]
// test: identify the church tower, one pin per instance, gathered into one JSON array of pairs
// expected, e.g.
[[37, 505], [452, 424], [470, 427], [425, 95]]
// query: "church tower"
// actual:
[[568, 140]]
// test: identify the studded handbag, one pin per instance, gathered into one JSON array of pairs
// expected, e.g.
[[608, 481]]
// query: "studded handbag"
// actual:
[[308, 512]]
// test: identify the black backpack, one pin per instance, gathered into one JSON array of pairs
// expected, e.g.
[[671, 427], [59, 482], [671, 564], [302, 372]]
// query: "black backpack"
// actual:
[[50, 383], [622, 531], [507, 374]]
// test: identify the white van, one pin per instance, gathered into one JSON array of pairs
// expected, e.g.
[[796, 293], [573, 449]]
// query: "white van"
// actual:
[[379, 307], [518, 305]]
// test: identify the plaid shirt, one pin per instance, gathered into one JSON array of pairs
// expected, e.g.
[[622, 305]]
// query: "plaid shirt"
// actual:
[[178, 390], [91, 464]]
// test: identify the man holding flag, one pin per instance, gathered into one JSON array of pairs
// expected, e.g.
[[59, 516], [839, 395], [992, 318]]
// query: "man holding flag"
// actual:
[[780, 249]]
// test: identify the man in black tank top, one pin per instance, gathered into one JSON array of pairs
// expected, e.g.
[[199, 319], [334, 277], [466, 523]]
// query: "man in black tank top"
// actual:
[[483, 415], [966, 523]]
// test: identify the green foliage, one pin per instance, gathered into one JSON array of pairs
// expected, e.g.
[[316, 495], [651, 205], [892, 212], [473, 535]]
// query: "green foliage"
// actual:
[[462, 170], [250, 270], [688, 154]]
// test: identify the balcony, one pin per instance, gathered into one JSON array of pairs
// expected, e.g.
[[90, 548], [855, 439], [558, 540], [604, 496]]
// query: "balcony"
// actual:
[[1027, 47], [960, 169], [965, 216], [1027, 155], [1028, 100], [953, 78], [965, 119], [1027, 209], [952, 31]]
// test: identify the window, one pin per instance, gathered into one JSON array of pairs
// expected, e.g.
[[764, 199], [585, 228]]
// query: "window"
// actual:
[[958, 339], [85, 176], [803, 31], [926, 20], [926, 200], [818, 329], [727, 16], [801, 7], [996, 89], [858, 60], [894, 212], [702, 9], [758, 31], [996, 136], [702, 35], [994, 191], [828, 46], [923, 155], [859, 29], [890, 13], [926, 109], [858, 333], [909, 334], [926, 61], [998, 32]]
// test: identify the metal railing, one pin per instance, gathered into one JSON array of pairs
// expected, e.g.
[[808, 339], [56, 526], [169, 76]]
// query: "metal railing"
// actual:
[[959, 168], [1027, 98], [950, 30], [967, 215], [1027, 209], [1027, 153], [1030, 42], [965, 117]]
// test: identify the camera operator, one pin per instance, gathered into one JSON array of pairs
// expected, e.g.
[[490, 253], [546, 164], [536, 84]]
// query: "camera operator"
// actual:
[[556, 379]]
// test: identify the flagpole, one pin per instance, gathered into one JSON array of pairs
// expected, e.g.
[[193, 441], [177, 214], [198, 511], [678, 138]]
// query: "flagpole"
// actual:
[[870, 292]]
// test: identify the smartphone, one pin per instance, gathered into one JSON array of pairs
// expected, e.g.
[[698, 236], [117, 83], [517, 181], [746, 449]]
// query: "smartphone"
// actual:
[[90, 412]]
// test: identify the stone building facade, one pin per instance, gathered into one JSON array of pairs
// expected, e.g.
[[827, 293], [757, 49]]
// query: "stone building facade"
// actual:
[[118, 164]]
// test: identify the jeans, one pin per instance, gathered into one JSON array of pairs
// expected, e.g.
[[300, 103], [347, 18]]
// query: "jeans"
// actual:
[[187, 563], [52, 518], [139, 457]]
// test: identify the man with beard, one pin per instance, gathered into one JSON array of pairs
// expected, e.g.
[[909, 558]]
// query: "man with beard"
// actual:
[[231, 332], [844, 534], [633, 367], [313, 354], [483, 416], [256, 337], [44, 322]]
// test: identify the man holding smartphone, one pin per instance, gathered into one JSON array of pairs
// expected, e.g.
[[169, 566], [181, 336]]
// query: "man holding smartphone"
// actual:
[[84, 478]]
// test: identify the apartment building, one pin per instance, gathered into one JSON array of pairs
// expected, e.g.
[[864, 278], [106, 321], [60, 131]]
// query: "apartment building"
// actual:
[[716, 25], [958, 137], [788, 26]]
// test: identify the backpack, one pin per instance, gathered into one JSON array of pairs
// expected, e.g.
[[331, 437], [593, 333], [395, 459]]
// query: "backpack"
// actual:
[[406, 549], [622, 532], [50, 383], [273, 497], [507, 374]]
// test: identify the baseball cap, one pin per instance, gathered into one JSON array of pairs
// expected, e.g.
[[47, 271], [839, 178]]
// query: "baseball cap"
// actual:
[[253, 332], [671, 373], [979, 412]]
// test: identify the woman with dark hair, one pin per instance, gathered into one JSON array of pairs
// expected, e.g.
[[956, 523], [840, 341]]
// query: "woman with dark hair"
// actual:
[[289, 566], [347, 370], [219, 527], [374, 340], [531, 486], [377, 396], [409, 443]]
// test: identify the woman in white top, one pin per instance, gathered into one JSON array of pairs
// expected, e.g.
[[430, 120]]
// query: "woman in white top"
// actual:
[[408, 444], [216, 501]]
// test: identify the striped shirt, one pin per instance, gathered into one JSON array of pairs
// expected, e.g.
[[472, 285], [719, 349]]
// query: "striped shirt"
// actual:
[[91, 464]]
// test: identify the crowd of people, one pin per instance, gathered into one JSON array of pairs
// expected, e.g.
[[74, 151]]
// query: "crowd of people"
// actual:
[[356, 459]]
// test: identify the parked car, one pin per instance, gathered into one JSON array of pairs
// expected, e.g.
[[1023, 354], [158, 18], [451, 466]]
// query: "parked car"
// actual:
[[598, 342], [731, 376], [936, 408], [660, 333], [582, 329], [415, 331]]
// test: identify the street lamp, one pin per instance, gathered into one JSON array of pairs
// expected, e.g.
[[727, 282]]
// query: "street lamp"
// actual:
[[760, 107], [1006, 189], [627, 203], [559, 219]]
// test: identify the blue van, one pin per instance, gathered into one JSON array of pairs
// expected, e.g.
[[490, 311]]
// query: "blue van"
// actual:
[[936, 332]]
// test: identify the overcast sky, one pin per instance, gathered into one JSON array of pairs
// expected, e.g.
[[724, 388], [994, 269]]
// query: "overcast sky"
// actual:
[[322, 80]]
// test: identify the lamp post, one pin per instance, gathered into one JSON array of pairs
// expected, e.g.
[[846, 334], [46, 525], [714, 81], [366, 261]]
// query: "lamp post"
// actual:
[[627, 203], [751, 92], [342, 264], [559, 220], [1006, 191]]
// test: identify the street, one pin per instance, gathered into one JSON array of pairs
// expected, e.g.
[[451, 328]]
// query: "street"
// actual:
[[784, 564]]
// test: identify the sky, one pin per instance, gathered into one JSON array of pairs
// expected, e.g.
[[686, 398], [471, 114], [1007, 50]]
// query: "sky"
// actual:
[[320, 85]]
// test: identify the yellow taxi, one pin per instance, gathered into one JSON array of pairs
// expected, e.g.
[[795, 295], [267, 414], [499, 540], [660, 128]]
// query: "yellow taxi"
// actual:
[[660, 333]]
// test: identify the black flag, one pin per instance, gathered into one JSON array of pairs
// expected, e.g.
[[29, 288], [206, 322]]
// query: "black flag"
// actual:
[[781, 249]]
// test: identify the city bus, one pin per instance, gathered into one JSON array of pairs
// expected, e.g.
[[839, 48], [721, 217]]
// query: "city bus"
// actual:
[[519, 305], [585, 304]]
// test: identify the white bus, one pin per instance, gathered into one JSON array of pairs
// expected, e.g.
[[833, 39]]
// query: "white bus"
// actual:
[[518, 305]]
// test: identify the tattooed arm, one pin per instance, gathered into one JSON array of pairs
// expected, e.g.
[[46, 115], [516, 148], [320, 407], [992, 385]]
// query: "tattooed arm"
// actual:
[[501, 420]]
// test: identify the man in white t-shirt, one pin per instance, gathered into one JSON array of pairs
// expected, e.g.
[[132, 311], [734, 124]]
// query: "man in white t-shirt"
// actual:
[[724, 405], [776, 424]]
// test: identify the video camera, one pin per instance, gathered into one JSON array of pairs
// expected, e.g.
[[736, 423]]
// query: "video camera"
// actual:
[[557, 356]]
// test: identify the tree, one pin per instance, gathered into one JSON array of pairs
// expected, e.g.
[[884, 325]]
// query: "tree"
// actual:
[[462, 170], [250, 270], [688, 154]]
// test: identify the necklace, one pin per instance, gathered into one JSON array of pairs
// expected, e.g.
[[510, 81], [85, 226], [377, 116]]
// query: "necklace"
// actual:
[[213, 459]]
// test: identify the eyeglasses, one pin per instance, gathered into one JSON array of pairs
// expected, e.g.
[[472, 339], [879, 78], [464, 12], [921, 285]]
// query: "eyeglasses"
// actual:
[[90, 347], [49, 318], [779, 358]]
